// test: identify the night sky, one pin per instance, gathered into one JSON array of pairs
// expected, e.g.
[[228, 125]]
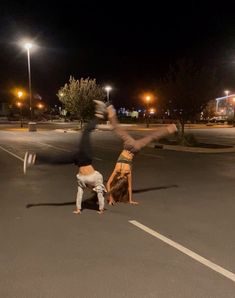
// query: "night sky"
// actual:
[[129, 46]]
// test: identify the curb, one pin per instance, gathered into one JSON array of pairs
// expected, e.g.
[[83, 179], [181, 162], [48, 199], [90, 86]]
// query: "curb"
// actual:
[[192, 149], [65, 130]]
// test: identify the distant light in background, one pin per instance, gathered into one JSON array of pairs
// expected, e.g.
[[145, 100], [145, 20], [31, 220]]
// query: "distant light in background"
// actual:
[[19, 94], [40, 106], [148, 98]]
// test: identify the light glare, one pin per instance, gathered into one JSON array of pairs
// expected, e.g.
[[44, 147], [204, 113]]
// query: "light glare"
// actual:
[[28, 45]]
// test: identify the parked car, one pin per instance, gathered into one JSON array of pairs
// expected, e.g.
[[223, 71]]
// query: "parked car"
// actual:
[[218, 119]]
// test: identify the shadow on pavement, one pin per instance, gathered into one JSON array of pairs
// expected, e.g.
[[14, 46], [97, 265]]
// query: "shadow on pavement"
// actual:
[[90, 203], [154, 188]]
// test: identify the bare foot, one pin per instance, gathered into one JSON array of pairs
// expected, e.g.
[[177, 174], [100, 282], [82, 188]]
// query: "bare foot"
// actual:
[[77, 211], [134, 203], [100, 211], [172, 128], [110, 201]]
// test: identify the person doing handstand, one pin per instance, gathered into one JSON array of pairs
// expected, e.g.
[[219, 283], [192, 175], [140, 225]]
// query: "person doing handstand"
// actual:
[[87, 176], [119, 185]]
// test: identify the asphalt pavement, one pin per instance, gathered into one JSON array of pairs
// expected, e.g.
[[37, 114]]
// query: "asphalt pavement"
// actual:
[[178, 242]]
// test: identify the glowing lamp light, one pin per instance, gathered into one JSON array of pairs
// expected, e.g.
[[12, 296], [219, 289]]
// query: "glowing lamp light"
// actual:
[[148, 98], [20, 94], [28, 45], [108, 88]]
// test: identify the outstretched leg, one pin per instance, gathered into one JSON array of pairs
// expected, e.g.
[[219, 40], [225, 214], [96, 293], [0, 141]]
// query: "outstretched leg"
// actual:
[[84, 155], [136, 145], [154, 136]]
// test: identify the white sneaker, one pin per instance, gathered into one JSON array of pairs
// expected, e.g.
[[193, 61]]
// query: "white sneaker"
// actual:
[[29, 160]]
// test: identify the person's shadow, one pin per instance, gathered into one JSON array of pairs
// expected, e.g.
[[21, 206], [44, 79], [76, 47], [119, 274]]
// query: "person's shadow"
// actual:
[[90, 203], [154, 188]]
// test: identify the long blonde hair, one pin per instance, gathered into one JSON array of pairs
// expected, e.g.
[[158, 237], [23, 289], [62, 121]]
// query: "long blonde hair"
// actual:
[[119, 188]]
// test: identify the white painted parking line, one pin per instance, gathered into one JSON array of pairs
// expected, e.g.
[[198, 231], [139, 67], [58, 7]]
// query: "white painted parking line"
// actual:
[[152, 155], [55, 147], [62, 149], [190, 253], [11, 153], [97, 158], [18, 157]]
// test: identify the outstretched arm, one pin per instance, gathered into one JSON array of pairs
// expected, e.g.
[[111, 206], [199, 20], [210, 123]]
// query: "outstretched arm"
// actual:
[[131, 201], [108, 186]]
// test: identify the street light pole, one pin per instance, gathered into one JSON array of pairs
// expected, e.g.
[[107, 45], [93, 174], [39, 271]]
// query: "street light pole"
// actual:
[[108, 89], [19, 104], [20, 94], [147, 111], [28, 46], [227, 104], [233, 112]]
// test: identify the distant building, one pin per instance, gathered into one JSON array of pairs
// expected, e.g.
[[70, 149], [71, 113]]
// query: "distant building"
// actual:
[[134, 114], [127, 113], [4, 109], [225, 106]]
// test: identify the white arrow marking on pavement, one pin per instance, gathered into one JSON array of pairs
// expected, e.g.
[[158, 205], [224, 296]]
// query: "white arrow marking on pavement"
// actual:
[[190, 253]]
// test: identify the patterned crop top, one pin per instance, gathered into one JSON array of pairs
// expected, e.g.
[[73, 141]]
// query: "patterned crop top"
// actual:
[[123, 159]]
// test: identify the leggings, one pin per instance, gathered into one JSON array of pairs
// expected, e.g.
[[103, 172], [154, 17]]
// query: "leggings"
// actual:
[[81, 156], [129, 143]]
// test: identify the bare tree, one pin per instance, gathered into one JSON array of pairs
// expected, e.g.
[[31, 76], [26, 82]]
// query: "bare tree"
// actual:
[[189, 88], [210, 110]]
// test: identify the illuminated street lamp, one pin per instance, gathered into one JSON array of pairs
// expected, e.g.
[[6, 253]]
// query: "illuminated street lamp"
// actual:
[[19, 94], [108, 89], [40, 106], [28, 46], [148, 98]]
